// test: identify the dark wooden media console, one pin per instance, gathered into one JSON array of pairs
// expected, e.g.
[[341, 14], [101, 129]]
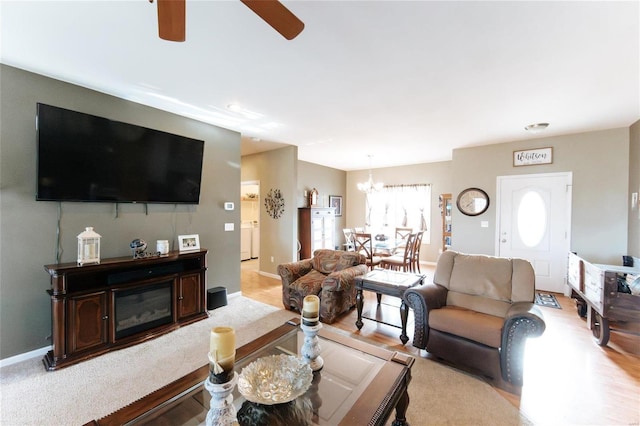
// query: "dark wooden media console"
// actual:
[[121, 302]]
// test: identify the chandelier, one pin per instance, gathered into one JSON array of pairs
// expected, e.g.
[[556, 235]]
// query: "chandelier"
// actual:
[[370, 186]]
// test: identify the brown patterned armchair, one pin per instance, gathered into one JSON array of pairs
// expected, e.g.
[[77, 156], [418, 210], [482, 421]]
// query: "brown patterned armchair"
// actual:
[[478, 313], [329, 275]]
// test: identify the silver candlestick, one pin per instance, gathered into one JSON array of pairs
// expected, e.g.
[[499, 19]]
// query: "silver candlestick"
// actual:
[[311, 347], [221, 409]]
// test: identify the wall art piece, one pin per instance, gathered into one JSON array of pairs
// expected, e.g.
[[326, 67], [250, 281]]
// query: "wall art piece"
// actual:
[[274, 203], [335, 201], [530, 157]]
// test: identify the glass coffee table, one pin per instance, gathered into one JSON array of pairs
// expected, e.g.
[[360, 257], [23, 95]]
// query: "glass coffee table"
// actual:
[[359, 384]]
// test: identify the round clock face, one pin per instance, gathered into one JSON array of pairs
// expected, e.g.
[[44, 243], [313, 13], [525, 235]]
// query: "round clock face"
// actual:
[[473, 201]]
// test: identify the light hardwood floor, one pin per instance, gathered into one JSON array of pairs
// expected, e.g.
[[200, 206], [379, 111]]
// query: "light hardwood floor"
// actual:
[[569, 379]]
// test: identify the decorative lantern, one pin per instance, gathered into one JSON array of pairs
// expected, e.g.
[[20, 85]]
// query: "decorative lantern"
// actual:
[[88, 246]]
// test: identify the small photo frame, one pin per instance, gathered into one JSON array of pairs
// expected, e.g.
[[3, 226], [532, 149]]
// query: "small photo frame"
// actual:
[[189, 242], [335, 201]]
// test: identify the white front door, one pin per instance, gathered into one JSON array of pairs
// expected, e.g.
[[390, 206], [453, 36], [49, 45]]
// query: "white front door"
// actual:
[[534, 223]]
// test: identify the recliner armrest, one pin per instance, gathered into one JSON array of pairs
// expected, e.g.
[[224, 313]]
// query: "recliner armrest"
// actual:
[[523, 320], [531, 312], [344, 278], [433, 296], [289, 272], [422, 299]]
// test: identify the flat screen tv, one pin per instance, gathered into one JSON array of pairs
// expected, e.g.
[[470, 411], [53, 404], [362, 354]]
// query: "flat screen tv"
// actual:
[[81, 157]]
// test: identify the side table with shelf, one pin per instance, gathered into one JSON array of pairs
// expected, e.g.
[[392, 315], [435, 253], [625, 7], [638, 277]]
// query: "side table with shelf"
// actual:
[[390, 283]]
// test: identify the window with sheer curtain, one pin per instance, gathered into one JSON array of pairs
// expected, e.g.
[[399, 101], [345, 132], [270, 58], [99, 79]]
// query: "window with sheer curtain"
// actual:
[[400, 206]]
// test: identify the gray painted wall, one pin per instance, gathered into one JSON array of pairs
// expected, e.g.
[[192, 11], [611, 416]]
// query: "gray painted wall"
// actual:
[[600, 166], [28, 228], [275, 170], [634, 186], [605, 165]]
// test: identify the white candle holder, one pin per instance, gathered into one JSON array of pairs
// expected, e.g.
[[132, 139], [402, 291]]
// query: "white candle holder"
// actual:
[[311, 347], [222, 412]]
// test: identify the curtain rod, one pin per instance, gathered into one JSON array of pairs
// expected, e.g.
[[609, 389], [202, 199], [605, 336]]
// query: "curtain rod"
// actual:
[[411, 185]]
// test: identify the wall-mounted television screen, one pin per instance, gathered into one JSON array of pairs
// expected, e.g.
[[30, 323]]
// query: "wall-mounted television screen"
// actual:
[[81, 157]]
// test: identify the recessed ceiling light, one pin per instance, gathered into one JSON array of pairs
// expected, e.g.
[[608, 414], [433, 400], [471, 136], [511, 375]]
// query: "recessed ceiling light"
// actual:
[[536, 128]]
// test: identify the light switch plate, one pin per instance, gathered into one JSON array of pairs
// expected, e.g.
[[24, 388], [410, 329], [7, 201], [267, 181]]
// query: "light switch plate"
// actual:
[[229, 226], [484, 224]]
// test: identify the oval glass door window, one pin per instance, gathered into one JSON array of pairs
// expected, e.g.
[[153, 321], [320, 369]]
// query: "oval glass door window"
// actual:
[[532, 219]]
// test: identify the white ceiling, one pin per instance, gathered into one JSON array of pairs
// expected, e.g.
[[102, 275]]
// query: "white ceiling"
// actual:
[[403, 81]]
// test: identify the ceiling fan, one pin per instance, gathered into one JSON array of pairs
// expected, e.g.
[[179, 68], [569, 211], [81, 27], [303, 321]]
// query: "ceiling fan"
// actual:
[[171, 18]]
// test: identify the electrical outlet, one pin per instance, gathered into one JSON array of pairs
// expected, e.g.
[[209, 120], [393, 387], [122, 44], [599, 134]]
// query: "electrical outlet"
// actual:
[[271, 259]]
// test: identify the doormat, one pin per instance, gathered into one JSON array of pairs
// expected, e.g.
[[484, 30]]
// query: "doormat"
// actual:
[[548, 300]]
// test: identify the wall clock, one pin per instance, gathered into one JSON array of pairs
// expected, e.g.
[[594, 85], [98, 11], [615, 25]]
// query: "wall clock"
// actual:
[[274, 203], [472, 202]]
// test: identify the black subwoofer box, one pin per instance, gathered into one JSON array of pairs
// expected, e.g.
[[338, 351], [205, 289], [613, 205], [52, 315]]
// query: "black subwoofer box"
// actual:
[[216, 297]]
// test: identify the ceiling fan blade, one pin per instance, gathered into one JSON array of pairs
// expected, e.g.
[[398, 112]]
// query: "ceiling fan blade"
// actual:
[[171, 19], [279, 17]]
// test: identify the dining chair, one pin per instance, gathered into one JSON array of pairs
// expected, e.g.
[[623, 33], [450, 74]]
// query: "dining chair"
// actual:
[[415, 258], [364, 245], [402, 233], [404, 261], [348, 238]]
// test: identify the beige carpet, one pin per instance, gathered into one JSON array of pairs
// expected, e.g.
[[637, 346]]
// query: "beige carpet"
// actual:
[[92, 389]]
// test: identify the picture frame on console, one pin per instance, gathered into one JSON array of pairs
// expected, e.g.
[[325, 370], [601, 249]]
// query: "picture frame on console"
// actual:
[[189, 242]]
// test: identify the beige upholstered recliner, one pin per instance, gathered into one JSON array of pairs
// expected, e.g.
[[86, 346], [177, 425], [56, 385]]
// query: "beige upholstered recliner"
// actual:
[[478, 313], [329, 275]]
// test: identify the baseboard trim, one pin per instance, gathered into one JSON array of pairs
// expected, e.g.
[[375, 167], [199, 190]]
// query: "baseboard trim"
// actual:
[[267, 274], [234, 294], [25, 356]]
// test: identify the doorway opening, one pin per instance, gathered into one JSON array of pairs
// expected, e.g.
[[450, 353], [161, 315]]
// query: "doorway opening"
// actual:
[[250, 225], [534, 223]]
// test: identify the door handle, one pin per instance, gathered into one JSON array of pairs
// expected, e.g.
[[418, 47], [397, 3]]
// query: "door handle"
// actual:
[[503, 240]]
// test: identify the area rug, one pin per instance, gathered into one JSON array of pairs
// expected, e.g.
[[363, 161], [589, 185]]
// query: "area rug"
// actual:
[[439, 395], [74, 395], [547, 300]]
